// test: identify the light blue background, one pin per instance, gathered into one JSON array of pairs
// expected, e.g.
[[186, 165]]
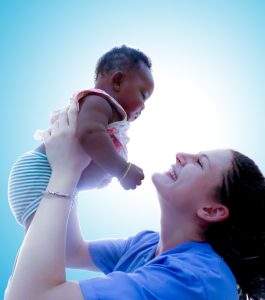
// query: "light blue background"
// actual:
[[208, 64]]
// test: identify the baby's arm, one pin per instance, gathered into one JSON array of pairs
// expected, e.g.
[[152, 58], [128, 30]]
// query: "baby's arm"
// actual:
[[93, 119]]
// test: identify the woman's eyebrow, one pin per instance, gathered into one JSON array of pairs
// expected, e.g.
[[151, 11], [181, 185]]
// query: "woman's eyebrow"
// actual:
[[204, 155]]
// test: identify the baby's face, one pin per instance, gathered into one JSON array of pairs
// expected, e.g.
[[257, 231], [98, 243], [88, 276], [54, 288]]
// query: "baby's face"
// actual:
[[137, 87]]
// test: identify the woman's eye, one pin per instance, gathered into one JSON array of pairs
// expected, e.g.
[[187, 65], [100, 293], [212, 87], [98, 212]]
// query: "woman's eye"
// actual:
[[199, 162]]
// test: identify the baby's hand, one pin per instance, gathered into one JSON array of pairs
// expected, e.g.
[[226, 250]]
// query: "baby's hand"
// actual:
[[132, 177]]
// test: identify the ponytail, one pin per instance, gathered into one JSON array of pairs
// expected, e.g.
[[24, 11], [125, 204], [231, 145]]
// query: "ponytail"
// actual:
[[240, 239]]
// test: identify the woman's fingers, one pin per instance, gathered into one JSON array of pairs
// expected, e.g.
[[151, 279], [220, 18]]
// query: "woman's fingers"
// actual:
[[46, 134], [63, 118], [72, 115], [55, 127], [54, 117], [61, 121], [55, 114]]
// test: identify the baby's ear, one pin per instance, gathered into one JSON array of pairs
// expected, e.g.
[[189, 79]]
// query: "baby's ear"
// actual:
[[117, 80], [216, 212]]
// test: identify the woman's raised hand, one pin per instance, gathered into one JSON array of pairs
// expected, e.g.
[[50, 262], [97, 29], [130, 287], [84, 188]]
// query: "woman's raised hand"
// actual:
[[64, 152]]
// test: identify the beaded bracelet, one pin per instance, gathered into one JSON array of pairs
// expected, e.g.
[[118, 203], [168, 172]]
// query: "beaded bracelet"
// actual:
[[71, 197], [126, 172]]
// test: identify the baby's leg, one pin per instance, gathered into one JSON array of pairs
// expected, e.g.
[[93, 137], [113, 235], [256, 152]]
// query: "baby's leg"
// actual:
[[93, 177], [28, 179]]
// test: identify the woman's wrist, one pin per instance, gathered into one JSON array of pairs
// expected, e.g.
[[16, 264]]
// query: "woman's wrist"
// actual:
[[54, 194], [63, 183]]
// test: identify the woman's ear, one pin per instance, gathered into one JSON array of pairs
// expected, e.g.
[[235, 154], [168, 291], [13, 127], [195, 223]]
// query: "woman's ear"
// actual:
[[213, 213], [117, 80]]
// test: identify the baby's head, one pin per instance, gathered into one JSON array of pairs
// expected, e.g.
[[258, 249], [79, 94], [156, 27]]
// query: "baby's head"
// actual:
[[125, 74]]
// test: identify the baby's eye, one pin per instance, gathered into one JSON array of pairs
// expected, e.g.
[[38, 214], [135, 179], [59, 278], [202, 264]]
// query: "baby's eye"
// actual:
[[144, 95]]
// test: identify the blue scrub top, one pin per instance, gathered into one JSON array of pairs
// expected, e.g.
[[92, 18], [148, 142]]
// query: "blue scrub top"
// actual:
[[190, 271]]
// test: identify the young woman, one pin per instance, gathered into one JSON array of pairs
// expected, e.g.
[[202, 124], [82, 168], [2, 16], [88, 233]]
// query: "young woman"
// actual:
[[211, 236]]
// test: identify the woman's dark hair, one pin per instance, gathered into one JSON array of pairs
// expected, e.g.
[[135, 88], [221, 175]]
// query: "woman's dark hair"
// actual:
[[240, 239], [120, 59]]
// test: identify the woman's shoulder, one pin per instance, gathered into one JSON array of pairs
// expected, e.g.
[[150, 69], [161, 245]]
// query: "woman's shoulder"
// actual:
[[197, 264], [145, 236]]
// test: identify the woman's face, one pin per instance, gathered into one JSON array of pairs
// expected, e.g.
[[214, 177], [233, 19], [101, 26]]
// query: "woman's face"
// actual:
[[193, 178]]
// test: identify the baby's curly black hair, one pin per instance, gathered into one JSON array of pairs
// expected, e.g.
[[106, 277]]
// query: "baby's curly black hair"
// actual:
[[240, 239], [120, 59]]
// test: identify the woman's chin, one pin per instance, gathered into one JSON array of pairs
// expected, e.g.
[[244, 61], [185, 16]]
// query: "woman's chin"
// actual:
[[155, 177], [161, 179]]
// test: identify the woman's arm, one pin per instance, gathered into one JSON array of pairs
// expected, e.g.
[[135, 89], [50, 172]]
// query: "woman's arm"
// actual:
[[77, 249], [40, 269]]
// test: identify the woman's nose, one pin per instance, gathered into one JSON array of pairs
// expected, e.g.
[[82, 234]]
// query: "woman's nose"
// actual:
[[180, 158], [183, 158]]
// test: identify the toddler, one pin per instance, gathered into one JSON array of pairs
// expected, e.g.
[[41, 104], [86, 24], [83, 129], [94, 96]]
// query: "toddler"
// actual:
[[123, 82]]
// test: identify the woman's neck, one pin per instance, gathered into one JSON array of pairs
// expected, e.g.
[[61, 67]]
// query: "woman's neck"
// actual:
[[176, 231]]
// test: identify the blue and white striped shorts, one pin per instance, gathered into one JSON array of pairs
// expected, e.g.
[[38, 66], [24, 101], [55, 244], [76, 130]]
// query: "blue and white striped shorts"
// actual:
[[28, 178]]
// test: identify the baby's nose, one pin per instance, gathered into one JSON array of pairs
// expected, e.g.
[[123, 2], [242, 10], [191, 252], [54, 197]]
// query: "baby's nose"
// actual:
[[137, 114]]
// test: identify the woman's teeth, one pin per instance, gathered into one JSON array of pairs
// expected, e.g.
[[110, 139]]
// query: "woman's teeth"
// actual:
[[173, 174]]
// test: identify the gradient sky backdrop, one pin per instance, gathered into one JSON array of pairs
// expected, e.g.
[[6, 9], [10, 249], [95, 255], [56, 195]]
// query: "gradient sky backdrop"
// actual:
[[208, 65]]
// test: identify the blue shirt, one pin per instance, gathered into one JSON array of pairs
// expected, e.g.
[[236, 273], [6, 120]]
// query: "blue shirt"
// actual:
[[188, 272]]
